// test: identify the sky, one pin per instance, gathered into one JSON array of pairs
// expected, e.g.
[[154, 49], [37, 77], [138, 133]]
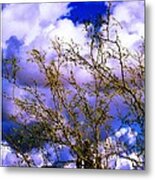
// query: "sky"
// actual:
[[44, 21], [28, 26]]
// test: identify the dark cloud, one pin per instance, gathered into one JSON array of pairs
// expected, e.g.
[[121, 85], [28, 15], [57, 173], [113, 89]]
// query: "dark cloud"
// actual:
[[13, 47]]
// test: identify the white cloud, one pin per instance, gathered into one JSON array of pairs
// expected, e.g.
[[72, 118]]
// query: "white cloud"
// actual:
[[37, 157], [66, 30], [123, 164], [121, 132], [52, 11], [36, 25], [128, 134], [9, 157], [25, 20], [131, 17]]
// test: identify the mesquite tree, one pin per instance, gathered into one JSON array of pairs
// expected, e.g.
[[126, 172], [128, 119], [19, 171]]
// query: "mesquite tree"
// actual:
[[80, 114]]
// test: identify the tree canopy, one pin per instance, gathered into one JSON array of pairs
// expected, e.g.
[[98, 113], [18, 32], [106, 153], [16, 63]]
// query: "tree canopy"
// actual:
[[91, 101]]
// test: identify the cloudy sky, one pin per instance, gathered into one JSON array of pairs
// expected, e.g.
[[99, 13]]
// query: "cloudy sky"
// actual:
[[32, 25], [28, 26]]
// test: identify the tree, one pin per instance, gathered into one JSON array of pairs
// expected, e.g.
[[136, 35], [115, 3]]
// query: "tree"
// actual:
[[79, 115]]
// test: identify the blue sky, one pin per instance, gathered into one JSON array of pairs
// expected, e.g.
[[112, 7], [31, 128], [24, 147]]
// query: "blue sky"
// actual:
[[81, 11]]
